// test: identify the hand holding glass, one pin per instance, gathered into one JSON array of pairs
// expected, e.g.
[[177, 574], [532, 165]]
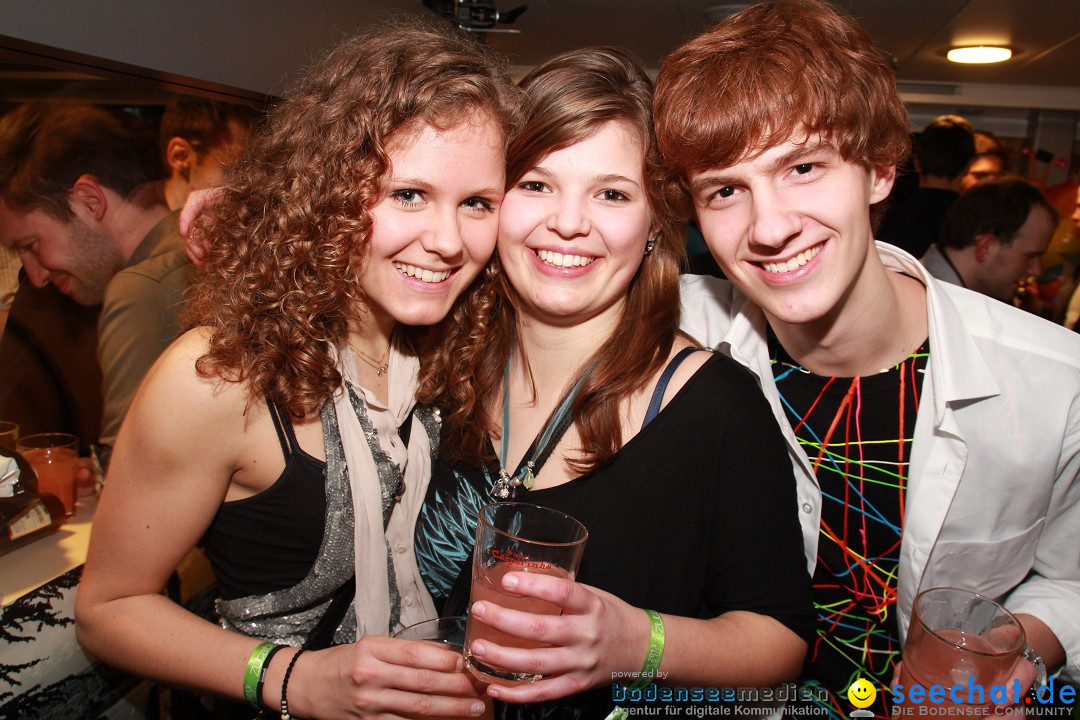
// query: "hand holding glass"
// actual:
[[449, 631], [518, 537], [958, 637]]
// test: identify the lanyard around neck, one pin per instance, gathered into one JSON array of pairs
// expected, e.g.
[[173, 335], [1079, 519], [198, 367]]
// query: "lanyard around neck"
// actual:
[[542, 447], [945, 255]]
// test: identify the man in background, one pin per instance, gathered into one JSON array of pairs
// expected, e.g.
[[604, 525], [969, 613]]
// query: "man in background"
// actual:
[[79, 203], [993, 237], [943, 151], [200, 139]]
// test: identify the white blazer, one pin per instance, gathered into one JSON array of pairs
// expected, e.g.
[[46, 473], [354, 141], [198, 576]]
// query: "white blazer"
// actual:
[[993, 500]]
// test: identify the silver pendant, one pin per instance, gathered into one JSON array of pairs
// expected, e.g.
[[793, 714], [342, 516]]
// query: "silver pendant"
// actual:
[[501, 487]]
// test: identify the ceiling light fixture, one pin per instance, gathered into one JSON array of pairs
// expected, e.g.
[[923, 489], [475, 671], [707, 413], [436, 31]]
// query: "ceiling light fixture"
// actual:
[[979, 54]]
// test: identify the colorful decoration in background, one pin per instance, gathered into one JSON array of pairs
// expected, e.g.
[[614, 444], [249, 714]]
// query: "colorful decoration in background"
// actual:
[[1048, 295]]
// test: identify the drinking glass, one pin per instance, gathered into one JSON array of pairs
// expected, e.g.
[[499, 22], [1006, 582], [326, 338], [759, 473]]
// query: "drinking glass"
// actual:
[[449, 631], [518, 537], [9, 433], [958, 637], [55, 459]]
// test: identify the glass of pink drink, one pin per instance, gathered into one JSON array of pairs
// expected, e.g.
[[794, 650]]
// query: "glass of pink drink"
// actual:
[[449, 631], [518, 537], [55, 459], [958, 637]]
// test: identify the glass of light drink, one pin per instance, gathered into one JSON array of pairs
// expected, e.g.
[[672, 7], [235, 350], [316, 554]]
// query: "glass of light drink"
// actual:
[[449, 631], [55, 459], [518, 537], [958, 637]]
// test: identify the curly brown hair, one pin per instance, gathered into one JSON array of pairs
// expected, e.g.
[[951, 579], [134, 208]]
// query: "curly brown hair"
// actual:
[[569, 97], [286, 241]]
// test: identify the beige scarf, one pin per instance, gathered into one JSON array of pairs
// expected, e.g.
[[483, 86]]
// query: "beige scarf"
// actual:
[[372, 602]]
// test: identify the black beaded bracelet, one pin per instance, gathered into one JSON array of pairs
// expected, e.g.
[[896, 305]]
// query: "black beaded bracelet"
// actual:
[[262, 677], [285, 686]]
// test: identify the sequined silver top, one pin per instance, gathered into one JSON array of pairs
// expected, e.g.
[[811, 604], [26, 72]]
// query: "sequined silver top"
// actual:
[[288, 616]]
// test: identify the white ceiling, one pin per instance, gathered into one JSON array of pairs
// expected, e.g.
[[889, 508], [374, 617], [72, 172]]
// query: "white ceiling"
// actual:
[[253, 46], [1045, 33]]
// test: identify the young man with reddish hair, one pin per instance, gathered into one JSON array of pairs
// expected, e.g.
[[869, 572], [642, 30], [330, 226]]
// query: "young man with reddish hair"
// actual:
[[934, 432]]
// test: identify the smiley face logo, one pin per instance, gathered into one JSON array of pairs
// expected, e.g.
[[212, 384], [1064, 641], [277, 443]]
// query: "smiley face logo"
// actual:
[[862, 693]]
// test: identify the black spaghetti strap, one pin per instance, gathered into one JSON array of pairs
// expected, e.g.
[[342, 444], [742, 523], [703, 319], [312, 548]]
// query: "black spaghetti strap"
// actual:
[[661, 384], [284, 430]]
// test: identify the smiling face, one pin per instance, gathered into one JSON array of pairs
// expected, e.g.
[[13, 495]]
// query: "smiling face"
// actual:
[[435, 225], [862, 693], [574, 227], [78, 259], [791, 228]]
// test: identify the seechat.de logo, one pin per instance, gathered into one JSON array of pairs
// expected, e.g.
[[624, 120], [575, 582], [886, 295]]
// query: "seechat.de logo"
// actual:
[[974, 695]]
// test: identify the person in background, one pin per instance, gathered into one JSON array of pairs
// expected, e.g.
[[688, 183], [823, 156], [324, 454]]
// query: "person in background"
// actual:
[[934, 431], [581, 303], [943, 151], [991, 160], [993, 237], [200, 140], [48, 362], [80, 203], [1072, 308], [280, 431]]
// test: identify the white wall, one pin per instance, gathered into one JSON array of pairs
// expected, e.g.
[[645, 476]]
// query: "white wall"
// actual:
[[250, 45]]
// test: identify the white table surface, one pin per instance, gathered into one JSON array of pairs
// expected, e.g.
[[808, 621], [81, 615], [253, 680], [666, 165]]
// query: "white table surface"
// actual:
[[33, 565]]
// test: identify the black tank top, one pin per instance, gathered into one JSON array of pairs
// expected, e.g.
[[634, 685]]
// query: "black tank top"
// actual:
[[269, 541]]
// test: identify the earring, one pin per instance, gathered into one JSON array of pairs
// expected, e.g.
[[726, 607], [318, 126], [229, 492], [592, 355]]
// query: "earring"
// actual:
[[185, 172], [649, 245]]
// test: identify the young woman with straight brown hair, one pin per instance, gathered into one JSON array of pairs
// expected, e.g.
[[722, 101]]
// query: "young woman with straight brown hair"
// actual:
[[681, 477]]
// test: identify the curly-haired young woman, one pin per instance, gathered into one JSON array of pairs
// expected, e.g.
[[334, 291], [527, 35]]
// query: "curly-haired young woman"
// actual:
[[280, 432]]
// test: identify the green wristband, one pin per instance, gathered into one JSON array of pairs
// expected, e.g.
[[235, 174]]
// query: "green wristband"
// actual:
[[655, 654], [254, 671]]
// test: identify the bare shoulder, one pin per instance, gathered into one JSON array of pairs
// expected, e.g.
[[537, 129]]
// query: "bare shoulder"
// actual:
[[686, 370], [180, 416], [178, 451], [176, 373]]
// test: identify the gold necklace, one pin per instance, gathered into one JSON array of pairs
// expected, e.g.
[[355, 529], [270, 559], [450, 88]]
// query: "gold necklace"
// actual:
[[382, 364]]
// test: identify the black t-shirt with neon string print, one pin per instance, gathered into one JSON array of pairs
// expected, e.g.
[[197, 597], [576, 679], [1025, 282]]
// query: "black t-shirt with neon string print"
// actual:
[[857, 433]]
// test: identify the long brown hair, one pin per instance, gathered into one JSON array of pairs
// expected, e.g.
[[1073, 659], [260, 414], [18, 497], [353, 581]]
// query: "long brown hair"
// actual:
[[568, 98], [287, 239]]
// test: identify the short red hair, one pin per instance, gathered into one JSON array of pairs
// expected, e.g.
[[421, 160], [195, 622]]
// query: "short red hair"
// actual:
[[772, 71]]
